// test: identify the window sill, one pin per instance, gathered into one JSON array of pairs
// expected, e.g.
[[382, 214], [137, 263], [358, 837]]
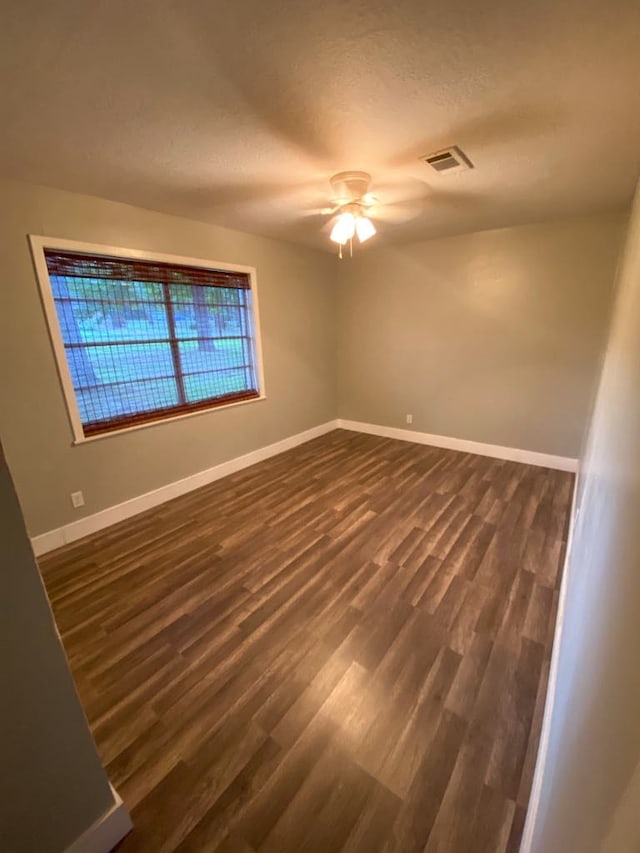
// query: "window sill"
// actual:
[[89, 438]]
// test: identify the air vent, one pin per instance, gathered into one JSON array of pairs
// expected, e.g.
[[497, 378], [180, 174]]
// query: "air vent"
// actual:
[[448, 160]]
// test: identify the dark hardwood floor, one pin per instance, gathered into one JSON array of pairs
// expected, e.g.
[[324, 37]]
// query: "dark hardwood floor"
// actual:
[[343, 648]]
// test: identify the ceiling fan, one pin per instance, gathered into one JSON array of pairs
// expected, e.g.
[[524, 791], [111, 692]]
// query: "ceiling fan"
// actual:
[[355, 207], [353, 201]]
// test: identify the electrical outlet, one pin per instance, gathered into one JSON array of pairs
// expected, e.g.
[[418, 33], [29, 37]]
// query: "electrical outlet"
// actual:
[[409, 419], [77, 499]]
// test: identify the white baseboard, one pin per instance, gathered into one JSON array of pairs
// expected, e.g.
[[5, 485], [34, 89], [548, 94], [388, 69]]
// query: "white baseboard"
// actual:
[[48, 541], [106, 517], [552, 683], [512, 454], [103, 835]]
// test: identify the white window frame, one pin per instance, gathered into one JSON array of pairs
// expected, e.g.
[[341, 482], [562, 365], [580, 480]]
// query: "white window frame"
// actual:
[[39, 243]]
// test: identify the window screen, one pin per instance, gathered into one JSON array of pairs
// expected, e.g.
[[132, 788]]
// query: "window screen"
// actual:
[[146, 340]]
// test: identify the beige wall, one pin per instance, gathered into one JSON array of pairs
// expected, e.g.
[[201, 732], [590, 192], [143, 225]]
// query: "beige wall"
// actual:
[[492, 337], [296, 289], [52, 785], [590, 781]]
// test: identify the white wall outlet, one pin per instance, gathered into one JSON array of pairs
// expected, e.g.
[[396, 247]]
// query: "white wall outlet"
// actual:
[[409, 419], [77, 499]]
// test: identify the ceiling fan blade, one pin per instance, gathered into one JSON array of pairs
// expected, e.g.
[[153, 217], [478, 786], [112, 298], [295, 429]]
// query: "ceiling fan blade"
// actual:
[[393, 208], [319, 211], [397, 212]]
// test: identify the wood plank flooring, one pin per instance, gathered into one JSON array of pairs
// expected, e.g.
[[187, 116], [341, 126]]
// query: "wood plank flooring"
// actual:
[[343, 648]]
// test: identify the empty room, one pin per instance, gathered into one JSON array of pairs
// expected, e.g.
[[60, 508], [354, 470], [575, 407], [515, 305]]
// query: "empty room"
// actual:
[[320, 424]]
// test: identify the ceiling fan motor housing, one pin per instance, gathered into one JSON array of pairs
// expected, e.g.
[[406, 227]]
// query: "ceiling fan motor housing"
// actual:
[[350, 186]]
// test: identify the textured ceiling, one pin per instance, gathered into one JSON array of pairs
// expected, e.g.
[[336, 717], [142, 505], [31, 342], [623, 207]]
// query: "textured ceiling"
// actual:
[[238, 112]]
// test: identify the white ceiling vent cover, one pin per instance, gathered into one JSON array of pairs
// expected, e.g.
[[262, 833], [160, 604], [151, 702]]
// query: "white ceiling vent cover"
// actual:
[[448, 160]]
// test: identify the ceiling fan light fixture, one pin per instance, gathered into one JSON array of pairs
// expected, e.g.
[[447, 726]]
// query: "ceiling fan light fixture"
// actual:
[[352, 197], [364, 228], [344, 229]]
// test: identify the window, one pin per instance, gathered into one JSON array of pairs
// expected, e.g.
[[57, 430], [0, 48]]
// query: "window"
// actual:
[[144, 339]]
